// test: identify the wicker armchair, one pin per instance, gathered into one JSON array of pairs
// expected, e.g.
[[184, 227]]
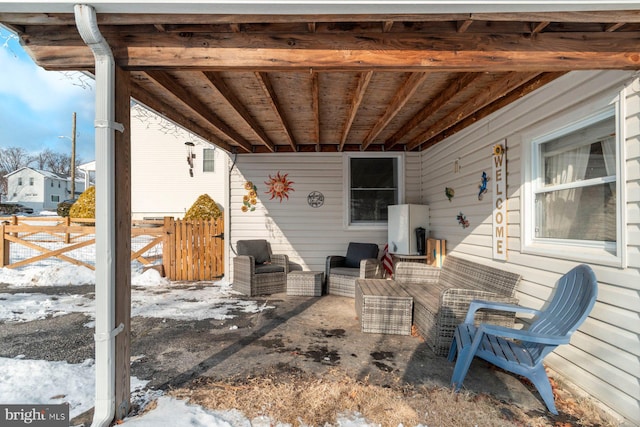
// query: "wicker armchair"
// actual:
[[360, 262], [257, 271]]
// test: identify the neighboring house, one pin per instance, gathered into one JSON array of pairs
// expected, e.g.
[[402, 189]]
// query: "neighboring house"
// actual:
[[163, 181], [583, 128], [40, 190]]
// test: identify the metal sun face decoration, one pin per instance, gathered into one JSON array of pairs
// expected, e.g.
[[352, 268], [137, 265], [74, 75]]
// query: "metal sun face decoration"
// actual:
[[279, 186]]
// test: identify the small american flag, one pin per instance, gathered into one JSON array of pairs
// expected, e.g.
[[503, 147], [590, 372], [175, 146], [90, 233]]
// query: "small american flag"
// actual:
[[387, 262]]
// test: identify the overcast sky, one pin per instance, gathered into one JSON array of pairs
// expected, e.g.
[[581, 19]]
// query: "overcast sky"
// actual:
[[36, 106]]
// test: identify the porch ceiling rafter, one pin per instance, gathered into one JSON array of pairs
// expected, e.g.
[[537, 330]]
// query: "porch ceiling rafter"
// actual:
[[331, 83]]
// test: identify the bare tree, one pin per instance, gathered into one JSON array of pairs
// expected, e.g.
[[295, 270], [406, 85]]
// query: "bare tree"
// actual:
[[12, 159], [59, 163], [42, 159]]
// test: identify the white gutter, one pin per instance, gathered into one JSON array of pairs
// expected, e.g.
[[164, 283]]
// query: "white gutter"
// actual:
[[105, 125], [314, 7]]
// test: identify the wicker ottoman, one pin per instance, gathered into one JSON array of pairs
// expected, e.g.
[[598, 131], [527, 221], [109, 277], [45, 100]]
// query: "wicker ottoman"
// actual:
[[305, 283], [383, 307]]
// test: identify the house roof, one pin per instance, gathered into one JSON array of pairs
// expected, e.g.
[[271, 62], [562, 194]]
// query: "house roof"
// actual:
[[46, 174], [328, 75]]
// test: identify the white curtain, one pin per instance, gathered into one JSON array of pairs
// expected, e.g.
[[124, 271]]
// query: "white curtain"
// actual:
[[609, 152], [561, 206]]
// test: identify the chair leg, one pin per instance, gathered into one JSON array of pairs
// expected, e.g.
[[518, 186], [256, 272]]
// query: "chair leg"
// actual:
[[540, 380], [468, 341], [453, 349]]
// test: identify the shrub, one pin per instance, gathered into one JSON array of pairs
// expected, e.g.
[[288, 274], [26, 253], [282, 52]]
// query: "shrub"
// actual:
[[63, 207], [85, 207], [204, 208]]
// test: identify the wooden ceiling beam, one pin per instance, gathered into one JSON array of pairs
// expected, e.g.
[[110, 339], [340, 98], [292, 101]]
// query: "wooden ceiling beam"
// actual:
[[614, 27], [533, 84], [315, 104], [453, 51], [188, 99], [358, 94], [631, 16], [401, 97], [462, 26], [168, 111], [272, 98], [236, 104], [497, 89], [433, 105], [537, 28]]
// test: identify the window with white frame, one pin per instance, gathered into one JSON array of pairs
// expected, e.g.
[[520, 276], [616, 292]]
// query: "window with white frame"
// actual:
[[374, 182], [574, 197], [208, 160], [31, 181]]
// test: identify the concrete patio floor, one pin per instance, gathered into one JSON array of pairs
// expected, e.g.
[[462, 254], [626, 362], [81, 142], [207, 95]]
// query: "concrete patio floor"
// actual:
[[318, 335]]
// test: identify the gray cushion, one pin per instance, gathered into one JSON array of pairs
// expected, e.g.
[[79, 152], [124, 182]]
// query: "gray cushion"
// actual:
[[258, 249], [344, 271], [269, 268], [356, 252]]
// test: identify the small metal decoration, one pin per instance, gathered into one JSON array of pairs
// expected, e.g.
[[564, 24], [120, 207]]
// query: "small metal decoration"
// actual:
[[249, 200], [462, 220], [449, 192], [483, 185], [315, 199], [279, 186]]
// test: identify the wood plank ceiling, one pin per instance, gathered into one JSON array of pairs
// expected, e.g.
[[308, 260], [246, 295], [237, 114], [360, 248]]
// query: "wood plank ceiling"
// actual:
[[336, 83]]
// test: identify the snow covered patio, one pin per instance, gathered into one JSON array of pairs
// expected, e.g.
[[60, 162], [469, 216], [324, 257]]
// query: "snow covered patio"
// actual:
[[185, 333]]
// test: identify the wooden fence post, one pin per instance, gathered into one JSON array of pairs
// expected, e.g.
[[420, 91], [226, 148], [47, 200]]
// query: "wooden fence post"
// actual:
[[5, 245], [167, 242]]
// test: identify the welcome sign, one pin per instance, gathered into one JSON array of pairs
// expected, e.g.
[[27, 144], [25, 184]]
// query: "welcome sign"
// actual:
[[499, 175]]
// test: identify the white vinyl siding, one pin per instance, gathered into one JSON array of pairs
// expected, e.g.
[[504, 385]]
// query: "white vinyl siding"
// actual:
[[161, 184], [604, 355], [307, 234]]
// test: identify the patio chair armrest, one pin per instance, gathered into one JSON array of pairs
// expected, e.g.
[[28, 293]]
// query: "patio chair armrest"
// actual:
[[523, 335], [496, 305], [282, 260], [370, 268], [335, 261], [414, 272], [244, 268]]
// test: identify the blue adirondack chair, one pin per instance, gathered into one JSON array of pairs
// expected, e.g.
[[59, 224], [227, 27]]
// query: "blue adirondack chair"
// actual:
[[522, 351]]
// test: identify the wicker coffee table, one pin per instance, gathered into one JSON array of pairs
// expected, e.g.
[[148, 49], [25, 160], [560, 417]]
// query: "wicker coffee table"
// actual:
[[305, 283], [383, 307]]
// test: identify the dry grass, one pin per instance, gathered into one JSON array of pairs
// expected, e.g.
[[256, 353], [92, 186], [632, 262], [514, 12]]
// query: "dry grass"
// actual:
[[300, 399]]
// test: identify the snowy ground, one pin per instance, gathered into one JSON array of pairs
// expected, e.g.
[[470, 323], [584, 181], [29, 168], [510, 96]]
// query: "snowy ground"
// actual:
[[25, 381]]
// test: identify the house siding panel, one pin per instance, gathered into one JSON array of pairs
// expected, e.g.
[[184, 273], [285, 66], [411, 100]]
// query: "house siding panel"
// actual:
[[603, 357], [160, 181], [308, 235]]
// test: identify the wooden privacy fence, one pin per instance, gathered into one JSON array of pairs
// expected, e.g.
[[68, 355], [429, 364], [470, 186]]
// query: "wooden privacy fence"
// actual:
[[191, 250]]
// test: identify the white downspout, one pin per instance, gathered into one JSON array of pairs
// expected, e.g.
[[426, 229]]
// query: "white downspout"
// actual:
[[105, 125]]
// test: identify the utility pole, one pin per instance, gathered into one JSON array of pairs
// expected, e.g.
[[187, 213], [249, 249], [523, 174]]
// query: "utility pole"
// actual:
[[73, 156]]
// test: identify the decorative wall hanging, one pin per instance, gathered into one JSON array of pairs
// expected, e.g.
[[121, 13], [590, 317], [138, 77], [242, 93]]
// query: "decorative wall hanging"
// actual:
[[449, 192], [315, 199], [250, 199], [279, 186], [190, 156], [483, 185], [462, 220], [499, 171]]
